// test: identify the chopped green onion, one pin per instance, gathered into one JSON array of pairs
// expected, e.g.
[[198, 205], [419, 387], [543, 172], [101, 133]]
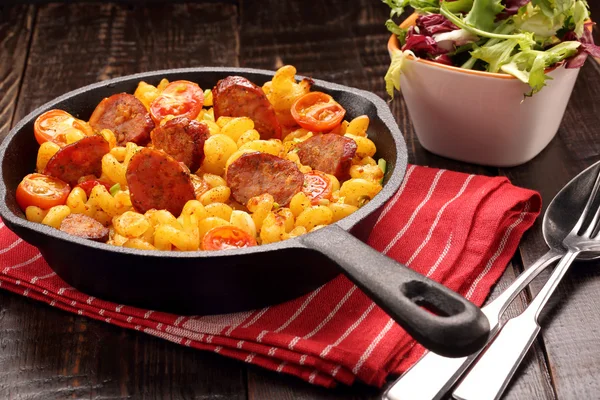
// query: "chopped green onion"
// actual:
[[115, 188], [383, 166]]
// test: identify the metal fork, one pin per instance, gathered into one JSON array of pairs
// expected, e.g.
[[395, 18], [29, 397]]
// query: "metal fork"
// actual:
[[492, 372]]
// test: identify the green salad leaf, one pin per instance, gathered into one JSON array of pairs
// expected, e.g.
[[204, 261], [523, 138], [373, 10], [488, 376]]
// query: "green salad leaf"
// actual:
[[483, 14], [392, 76], [529, 65]]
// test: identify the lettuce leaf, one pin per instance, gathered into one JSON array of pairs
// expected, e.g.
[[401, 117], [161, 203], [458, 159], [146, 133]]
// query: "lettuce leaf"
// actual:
[[392, 76], [528, 65], [483, 14], [496, 55]]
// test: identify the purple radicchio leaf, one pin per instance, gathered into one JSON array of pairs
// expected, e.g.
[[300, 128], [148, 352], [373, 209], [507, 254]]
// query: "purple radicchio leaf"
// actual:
[[422, 45], [588, 47], [511, 7], [435, 23]]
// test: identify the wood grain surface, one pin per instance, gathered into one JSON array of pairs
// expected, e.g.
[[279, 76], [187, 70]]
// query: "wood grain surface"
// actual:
[[47, 49]]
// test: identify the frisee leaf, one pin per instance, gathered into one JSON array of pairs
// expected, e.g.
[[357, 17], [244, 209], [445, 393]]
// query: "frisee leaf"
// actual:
[[392, 76]]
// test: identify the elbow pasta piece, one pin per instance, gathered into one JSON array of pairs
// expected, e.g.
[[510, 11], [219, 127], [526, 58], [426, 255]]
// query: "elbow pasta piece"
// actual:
[[110, 137], [357, 191], [288, 218], [166, 236], [102, 217], [364, 146], [209, 223], [45, 153], [162, 217], [55, 216], [341, 128], [74, 135], [116, 240], [162, 84], [220, 210], [313, 216], [146, 93], [358, 126], [118, 153], [103, 200], [335, 183], [248, 136], [222, 121], [114, 170], [282, 91], [297, 231], [137, 243], [297, 136], [341, 210], [213, 180], [369, 172], [299, 203], [195, 208], [236, 127], [272, 146], [131, 224], [217, 149], [243, 220], [219, 194], [213, 128], [364, 161], [260, 206], [273, 228], [35, 214]]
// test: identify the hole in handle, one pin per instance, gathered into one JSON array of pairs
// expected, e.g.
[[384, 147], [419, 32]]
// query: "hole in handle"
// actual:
[[432, 299]]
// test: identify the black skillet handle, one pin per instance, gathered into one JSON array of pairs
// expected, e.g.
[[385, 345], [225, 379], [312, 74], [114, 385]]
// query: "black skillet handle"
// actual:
[[438, 318]]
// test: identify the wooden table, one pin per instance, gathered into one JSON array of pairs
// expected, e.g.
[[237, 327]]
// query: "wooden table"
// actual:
[[49, 49]]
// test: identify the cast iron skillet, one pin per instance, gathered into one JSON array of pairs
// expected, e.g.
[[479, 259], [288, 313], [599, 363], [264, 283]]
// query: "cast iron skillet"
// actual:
[[243, 279]]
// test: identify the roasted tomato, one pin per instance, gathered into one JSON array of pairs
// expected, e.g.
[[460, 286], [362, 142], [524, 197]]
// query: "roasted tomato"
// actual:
[[317, 112], [179, 99], [88, 185], [42, 191], [53, 125], [317, 186], [227, 237]]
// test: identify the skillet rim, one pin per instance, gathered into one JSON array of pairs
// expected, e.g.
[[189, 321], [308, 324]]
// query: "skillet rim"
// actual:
[[389, 189]]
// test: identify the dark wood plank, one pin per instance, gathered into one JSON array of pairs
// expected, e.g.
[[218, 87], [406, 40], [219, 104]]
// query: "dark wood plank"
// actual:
[[569, 326], [15, 33], [50, 354], [78, 44]]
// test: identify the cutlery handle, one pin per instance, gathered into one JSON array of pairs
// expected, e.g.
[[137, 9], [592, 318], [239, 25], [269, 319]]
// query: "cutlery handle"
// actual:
[[418, 383], [493, 371], [437, 317]]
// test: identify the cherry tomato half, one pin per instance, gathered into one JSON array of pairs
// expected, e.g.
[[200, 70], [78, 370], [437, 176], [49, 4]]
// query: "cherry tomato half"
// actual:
[[317, 186], [317, 112], [180, 99], [88, 185], [42, 191], [53, 125], [227, 237]]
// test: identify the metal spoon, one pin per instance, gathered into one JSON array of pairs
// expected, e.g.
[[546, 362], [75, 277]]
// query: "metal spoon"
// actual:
[[433, 375]]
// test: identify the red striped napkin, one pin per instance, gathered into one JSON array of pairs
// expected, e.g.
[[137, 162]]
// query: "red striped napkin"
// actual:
[[455, 228]]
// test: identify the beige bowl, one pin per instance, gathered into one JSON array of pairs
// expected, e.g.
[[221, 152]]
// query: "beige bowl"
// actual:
[[481, 117]]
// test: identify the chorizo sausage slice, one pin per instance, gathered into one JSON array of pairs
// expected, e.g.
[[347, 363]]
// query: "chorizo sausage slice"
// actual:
[[183, 139], [84, 157], [254, 174], [236, 96], [156, 180], [126, 116], [329, 153], [85, 227]]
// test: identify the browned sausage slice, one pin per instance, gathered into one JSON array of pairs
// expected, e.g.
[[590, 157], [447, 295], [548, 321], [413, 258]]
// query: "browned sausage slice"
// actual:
[[85, 227], [236, 96], [126, 116], [182, 139], [329, 153], [254, 174], [84, 157], [156, 180]]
